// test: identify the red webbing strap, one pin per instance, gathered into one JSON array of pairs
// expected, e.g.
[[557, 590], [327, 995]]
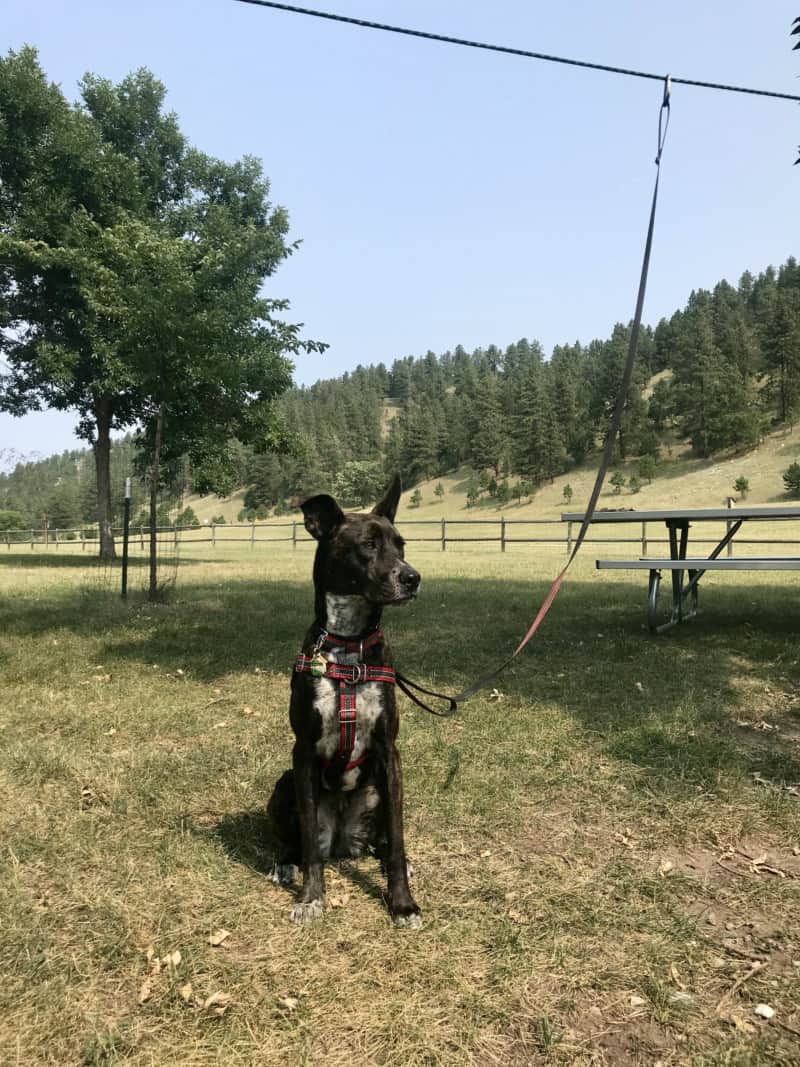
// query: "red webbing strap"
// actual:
[[348, 677], [613, 429]]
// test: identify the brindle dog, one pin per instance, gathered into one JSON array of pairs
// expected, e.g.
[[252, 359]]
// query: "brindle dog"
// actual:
[[342, 801]]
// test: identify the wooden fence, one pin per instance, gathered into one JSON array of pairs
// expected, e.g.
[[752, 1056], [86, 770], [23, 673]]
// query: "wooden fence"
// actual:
[[442, 532]]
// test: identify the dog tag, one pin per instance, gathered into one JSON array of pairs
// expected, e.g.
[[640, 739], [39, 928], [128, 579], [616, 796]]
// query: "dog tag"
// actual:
[[318, 664]]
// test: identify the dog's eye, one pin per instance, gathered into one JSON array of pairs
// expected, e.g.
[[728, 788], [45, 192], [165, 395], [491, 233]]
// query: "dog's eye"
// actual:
[[371, 545]]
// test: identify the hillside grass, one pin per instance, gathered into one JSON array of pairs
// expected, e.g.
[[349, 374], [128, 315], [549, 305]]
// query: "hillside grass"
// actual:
[[604, 848], [682, 480]]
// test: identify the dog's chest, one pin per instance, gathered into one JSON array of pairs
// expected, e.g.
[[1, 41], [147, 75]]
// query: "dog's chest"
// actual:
[[370, 698]]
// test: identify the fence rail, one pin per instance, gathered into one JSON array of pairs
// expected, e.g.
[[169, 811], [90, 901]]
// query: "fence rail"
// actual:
[[229, 533]]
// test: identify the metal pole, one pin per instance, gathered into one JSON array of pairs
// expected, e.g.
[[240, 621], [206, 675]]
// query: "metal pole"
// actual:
[[126, 525], [728, 528]]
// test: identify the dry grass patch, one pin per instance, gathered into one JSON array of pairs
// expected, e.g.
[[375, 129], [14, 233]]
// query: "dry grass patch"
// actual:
[[594, 854]]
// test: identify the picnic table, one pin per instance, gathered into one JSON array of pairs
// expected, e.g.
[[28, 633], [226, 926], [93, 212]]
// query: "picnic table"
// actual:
[[678, 522]]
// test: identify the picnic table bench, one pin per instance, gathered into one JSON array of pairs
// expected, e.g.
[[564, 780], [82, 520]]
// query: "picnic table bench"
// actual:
[[678, 522]]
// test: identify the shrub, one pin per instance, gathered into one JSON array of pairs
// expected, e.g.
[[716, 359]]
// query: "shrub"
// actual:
[[618, 481], [634, 484], [647, 467], [439, 490], [415, 499], [218, 520], [11, 520], [791, 479], [742, 487], [187, 518], [566, 492]]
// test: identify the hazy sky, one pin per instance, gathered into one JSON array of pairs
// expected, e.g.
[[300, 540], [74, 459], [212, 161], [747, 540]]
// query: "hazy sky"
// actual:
[[448, 196]]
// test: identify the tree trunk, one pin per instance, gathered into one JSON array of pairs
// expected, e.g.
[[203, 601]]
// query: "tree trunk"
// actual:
[[154, 477], [102, 463]]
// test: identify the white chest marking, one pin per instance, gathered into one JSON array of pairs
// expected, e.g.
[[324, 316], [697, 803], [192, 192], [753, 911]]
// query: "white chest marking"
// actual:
[[347, 614], [368, 710]]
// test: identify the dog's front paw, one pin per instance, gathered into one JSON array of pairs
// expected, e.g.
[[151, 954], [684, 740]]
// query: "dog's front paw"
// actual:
[[303, 913], [412, 921]]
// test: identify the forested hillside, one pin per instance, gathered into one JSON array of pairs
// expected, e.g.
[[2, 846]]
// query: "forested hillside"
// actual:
[[719, 373]]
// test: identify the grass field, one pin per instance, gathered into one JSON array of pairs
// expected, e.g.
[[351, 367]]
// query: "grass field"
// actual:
[[607, 851]]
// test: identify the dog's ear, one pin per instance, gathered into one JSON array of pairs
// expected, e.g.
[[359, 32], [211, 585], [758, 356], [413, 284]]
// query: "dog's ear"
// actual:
[[391, 498], [322, 516]]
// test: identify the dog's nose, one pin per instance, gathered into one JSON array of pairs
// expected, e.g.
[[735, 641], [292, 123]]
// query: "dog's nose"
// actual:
[[409, 579]]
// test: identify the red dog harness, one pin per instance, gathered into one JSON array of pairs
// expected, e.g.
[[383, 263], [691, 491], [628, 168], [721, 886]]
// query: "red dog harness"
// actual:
[[348, 677]]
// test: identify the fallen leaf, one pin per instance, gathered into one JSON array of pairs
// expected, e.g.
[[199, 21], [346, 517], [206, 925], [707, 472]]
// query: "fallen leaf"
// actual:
[[217, 1003], [673, 970], [290, 1003], [172, 959], [220, 725], [637, 1002], [764, 1011], [665, 867], [741, 1024], [186, 992], [218, 937], [145, 991], [248, 710], [339, 900]]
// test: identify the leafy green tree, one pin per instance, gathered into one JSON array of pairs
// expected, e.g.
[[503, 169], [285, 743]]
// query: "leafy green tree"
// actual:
[[415, 499], [503, 493], [358, 483], [473, 492], [791, 479], [438, 492], [634, 484], [566, 492], [132, 265], [742, 486], [218, 520], [11, 520]]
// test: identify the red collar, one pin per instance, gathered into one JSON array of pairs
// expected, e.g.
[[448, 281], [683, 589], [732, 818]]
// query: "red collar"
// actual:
[[331, 641]]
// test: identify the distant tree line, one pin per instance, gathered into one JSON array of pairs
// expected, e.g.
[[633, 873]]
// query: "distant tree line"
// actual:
[[726, 370]]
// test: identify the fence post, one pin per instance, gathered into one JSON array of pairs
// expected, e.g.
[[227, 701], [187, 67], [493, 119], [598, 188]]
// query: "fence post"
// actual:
[[294, 535], [56, 537], [644, 538], [141, 537], [569, 537], [728, 527], [213, 534], [444, 535], [502, 534], [32, 533], [175, 533], [252, 533]]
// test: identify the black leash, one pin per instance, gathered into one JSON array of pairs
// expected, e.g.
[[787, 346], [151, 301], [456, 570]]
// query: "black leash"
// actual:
[[605, 460]]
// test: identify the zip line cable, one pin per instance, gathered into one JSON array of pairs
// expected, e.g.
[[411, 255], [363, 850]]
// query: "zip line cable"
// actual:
[[506, 50]]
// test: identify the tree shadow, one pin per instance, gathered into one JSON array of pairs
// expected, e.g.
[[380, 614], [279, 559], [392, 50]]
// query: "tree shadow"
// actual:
[[667, 705]]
